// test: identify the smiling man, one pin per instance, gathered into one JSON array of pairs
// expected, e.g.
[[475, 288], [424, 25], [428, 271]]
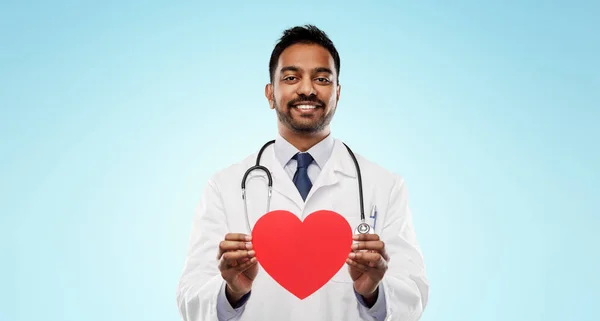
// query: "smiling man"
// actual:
[[302, 106], [384, 275]]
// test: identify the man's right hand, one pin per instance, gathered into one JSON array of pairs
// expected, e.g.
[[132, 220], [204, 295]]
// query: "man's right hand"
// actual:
[[237, 264]]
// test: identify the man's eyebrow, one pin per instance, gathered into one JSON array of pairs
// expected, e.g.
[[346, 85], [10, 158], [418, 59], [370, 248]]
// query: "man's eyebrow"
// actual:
[[296, 69], [323, 69], [289, 68]]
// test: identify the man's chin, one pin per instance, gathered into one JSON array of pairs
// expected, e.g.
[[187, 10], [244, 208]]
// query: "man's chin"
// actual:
[[305, 124], [306, 128]]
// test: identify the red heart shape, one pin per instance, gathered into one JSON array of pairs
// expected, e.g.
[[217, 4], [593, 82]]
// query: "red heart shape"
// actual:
[[302, 256]]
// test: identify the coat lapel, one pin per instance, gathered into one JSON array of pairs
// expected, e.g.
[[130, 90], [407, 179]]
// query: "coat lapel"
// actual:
[[339, 164]]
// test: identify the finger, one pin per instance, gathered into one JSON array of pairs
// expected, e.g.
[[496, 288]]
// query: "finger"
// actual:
[[244, 266], [225, 246], [384, 254], [365, 237], [240, 237], [235, 245], [223, 267], [374, 260], [230, 259], [369, 245], [365, 256], [357, 265], [237, 255]]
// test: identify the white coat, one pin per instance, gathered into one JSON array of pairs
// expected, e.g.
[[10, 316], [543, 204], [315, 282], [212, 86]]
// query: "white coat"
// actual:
[[221, 211]]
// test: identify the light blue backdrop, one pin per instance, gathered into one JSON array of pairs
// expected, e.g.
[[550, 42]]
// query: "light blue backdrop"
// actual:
[[114, 114]]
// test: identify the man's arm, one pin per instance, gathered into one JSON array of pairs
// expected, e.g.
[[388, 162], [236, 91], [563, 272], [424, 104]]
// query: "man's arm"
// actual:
[[226, 309], [201, 288], [405, 285], [387, 268], [374, 307]]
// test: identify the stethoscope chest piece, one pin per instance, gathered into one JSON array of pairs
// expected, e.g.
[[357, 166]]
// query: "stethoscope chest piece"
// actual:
[[363, 228]]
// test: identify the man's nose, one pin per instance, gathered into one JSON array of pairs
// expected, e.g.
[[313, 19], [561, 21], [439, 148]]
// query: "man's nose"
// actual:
[[306, 87]]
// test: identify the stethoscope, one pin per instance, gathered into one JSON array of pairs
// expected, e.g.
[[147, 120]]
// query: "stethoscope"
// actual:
[[362, 228]]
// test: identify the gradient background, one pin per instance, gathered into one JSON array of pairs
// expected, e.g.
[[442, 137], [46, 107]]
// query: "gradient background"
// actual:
[[114, 114]]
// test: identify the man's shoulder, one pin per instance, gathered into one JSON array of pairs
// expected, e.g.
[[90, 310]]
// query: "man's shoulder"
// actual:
[[234, 171], [371, 168]]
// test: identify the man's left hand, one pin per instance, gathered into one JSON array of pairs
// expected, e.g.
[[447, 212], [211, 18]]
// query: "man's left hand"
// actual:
[[367, 264]]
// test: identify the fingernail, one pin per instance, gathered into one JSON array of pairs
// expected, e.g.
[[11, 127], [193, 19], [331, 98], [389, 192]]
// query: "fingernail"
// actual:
[[355, 246], [355, 237], [251, 253], [351, 255], [248, 246], [248, 238]]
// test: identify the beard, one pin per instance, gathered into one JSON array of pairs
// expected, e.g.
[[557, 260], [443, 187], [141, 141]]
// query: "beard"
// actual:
[[307, 125]]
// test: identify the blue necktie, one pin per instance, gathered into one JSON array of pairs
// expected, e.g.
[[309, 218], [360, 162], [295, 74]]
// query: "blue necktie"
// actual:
[[301, 179]]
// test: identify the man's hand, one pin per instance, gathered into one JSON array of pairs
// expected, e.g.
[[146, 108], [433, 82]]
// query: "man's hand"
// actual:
[[237, 264], [367, 264]]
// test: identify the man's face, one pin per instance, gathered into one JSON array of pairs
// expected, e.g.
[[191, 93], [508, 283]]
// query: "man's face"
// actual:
[[304, 91]]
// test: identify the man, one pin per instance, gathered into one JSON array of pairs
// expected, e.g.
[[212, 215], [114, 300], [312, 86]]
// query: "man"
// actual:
[[384, 276]]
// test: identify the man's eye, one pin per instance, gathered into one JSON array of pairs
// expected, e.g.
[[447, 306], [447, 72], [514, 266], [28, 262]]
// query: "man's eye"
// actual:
[[289, 78], [322, 79]]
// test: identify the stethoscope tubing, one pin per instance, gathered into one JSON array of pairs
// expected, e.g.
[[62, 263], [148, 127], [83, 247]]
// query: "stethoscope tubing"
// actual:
[[365, 227]]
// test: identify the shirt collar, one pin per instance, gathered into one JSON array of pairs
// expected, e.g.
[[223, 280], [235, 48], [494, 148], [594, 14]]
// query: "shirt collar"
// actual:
[[284, 151]]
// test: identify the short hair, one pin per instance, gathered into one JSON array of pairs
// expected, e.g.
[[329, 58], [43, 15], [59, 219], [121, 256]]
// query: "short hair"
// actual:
[[307, 34]]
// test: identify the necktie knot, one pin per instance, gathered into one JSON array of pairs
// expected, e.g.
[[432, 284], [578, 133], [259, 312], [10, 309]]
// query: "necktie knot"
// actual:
[[304, 159]]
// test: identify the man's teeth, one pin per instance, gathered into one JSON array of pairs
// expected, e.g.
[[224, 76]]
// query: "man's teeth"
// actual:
[[306, 106]]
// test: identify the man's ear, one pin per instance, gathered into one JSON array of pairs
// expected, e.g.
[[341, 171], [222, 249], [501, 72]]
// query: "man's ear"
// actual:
[[339, 89], [269, 95]]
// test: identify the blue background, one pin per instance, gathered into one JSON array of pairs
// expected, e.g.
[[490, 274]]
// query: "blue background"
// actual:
[[114, 114]]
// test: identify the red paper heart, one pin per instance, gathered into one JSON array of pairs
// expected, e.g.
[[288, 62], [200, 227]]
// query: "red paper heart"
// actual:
[[302, 256]]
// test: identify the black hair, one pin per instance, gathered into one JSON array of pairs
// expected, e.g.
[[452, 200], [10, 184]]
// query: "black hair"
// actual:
[[307, 34]]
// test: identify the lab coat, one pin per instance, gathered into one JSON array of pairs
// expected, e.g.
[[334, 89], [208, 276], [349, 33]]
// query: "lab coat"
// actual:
[[221, 211]]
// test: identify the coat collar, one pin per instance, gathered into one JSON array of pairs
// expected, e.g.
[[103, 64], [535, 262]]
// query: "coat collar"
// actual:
[[321, 152], [339, 163], [343, 162]]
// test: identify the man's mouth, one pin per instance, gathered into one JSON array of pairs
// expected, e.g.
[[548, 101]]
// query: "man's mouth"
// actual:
[[306, 107]]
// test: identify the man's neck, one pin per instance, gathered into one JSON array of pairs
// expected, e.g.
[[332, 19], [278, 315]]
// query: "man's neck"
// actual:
[[304, 142]]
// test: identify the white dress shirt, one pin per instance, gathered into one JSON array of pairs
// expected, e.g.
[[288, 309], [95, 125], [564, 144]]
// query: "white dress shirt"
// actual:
[[284, 151]]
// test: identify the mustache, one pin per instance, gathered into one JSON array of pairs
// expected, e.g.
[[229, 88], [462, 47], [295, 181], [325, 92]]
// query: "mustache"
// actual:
[[304, 99]]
